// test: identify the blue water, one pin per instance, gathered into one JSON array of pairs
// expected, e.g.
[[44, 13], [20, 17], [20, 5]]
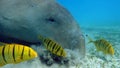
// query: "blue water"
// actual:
[[94, 12]]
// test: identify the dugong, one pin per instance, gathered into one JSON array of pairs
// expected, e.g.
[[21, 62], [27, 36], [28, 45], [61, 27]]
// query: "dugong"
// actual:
[[22, 21]]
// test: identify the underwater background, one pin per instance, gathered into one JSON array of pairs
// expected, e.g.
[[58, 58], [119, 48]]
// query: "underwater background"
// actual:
[[98, 19], [94, 12]]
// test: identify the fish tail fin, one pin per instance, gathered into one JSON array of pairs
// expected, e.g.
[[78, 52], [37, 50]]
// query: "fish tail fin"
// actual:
[[90, 40], [41, 38], [1, 43]]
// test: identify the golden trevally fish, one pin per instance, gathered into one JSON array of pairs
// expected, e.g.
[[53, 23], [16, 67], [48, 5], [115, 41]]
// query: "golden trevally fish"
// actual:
[[53, 46], [102, 45], [15, 53]]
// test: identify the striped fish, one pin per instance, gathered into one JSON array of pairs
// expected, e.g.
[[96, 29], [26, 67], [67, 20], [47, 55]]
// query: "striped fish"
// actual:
[[53, 47], [15, 53], [102, 45]]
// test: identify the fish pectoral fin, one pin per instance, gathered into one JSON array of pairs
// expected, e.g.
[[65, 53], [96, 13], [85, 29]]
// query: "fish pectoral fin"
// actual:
[[104, 53], [18, 59], [2, 65], [97, 50]]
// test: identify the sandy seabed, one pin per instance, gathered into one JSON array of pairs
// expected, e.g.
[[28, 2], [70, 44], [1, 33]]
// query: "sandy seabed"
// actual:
[[93, 59]]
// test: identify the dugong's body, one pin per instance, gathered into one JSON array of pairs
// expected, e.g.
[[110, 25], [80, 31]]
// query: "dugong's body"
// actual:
[[24, 20]]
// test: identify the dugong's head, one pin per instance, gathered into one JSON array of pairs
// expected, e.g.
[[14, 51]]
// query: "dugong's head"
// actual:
[[26, 19]]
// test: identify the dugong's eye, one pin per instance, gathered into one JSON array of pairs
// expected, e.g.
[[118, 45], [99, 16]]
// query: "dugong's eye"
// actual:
[[50, 20], [53, 21]]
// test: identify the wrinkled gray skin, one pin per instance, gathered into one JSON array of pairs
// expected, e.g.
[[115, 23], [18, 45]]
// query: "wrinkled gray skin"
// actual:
[[24, 20]]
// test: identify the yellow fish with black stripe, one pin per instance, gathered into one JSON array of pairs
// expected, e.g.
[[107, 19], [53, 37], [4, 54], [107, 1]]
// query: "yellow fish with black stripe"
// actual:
[[15, 53], [53, 46], [102, 45]]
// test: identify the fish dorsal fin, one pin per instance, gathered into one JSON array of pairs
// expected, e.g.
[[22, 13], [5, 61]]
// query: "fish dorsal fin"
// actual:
[[101, 38]]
